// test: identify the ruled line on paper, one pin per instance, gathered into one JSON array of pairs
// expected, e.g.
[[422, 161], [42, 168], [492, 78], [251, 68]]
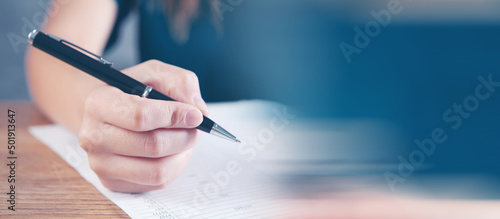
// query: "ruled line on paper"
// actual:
[[247, 195]]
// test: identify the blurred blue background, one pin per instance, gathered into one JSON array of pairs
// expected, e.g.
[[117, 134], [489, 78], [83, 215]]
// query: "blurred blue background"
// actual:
[[427, 58]]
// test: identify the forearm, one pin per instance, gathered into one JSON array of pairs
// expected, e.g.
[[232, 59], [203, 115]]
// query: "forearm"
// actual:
[[57, 88]]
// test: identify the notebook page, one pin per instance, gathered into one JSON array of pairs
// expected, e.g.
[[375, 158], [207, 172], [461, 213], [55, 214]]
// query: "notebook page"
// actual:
[[219, 182]]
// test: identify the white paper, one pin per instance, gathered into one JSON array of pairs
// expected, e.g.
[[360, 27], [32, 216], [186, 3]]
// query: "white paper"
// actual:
[[195, 194]]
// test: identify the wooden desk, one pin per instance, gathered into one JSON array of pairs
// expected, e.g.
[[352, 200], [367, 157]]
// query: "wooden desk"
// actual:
[[46, 186]]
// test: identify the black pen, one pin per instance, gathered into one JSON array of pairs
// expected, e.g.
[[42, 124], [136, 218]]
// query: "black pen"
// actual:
[[102, 70]]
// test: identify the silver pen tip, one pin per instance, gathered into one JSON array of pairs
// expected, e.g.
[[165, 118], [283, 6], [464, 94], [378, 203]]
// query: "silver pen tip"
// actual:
[[223, 133]]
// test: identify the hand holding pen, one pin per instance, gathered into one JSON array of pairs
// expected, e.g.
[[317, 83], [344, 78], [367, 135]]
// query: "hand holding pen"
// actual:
[[139, 142]]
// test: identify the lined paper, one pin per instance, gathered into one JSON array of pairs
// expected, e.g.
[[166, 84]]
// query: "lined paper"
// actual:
[[202, 191]]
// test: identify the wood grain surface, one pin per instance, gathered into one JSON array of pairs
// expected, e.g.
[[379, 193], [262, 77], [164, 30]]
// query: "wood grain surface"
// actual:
[[46, 186]]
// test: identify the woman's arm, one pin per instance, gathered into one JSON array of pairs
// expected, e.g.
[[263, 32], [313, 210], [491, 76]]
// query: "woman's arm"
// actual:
[[133, 144], [57, 88]]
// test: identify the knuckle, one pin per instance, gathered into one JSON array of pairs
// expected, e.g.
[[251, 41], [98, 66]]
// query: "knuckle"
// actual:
[[85, 142], [190, 78], [152, 65], [176, 117], [158, 174], [154, 145], [91, 104], [138, 117], [95, 166], [152, 61]]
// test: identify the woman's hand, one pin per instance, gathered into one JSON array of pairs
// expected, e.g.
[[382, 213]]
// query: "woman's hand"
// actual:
[[136, 144]]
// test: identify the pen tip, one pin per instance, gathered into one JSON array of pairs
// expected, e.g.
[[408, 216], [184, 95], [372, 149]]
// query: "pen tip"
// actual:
[[221, 132]]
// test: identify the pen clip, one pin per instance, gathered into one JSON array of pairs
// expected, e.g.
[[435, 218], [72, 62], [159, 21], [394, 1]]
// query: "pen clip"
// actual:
[[100, 58]]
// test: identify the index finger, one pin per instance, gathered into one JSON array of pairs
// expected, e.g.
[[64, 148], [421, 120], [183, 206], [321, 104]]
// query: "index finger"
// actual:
[[134, 113], [175, 82]]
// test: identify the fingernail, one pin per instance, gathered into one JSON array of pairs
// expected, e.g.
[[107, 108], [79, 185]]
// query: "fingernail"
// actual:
[[200, 103], [194, 118]]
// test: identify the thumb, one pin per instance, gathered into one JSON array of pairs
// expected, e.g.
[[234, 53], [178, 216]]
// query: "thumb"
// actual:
[[183, 115]]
